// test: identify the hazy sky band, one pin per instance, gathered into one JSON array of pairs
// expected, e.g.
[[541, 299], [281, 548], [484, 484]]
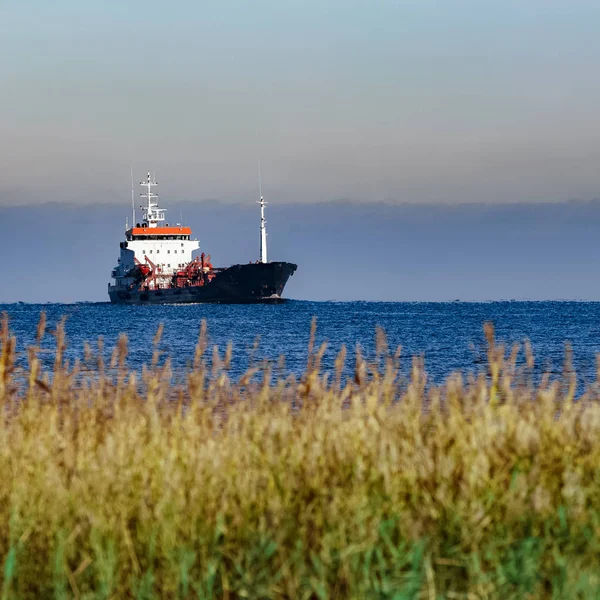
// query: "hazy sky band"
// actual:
[[396, 101], [344, 251]]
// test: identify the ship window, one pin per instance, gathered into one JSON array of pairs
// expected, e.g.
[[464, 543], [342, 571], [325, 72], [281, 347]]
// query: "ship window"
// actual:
[[157, 252], [182, 243], [150, 251], [168, 252], [169, 265]]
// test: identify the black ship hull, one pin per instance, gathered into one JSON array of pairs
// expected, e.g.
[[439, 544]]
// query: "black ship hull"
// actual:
[[238, 284]]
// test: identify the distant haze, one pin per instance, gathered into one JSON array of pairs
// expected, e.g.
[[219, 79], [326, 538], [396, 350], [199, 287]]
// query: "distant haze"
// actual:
[[344, 251], [395, 101], [410, 149]]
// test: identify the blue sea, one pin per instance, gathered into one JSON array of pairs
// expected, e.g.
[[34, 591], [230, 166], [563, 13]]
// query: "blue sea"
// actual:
[[448, 335]]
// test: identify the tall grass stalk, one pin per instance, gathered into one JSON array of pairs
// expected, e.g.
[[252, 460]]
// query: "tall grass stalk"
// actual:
[[120, 485]]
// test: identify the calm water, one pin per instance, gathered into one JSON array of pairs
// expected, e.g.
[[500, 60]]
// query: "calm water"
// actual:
[[449, 335]]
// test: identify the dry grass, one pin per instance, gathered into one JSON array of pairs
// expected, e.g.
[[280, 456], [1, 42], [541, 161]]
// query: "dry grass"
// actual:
[[116, 487]]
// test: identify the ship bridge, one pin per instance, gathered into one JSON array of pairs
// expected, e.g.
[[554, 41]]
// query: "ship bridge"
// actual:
[[158, 233], [153, 242]]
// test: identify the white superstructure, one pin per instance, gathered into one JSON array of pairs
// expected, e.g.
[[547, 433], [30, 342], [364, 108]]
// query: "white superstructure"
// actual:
[[163, 248]]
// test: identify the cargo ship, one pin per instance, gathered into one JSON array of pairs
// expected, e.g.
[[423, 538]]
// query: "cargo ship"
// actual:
[[156, 264]]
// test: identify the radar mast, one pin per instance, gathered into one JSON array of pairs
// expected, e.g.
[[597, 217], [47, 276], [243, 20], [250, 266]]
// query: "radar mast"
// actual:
[[151, 213]]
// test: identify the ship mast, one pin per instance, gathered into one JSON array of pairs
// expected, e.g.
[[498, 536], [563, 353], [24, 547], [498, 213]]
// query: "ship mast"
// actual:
[[152, 214], [263, 222]]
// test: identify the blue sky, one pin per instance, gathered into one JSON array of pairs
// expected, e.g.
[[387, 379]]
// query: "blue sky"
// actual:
[[422, 101], [403, 110]]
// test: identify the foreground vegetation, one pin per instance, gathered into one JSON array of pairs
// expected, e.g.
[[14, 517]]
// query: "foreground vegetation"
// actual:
[[114, 485]]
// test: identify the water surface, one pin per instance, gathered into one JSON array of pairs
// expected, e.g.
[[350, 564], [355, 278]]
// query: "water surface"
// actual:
[[449, 335]]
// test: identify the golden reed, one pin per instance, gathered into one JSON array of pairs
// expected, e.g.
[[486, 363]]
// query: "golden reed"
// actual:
[[120, 485]]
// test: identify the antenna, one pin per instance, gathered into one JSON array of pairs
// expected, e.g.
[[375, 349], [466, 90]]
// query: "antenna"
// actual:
[[132, 199], [263, 222]]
